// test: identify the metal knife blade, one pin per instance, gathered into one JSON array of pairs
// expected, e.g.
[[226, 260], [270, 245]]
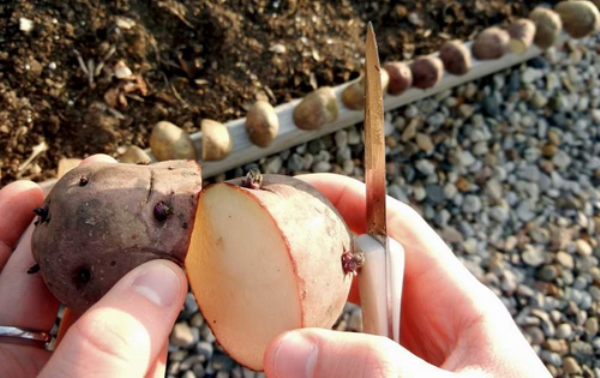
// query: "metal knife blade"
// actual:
[[375, 143]]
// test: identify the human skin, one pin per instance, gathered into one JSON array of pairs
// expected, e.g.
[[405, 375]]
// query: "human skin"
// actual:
[[124, 335], [451, 324]]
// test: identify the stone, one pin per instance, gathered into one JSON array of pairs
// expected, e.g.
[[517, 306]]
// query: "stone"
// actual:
[[571, 366], [583, 247], [548, 273], [321, 167], [425, 167], [451, 235], [564, 331], [561, 160], [424, 142], [533, 256], [565, 259], [491, 107], [341, 138], [526, 211], [435, 194], [205, 349], [556, 345], [182, 336], [410, 131], [591, 326], [472, 204]]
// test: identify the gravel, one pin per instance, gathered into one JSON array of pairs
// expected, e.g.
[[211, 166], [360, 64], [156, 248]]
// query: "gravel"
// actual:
[[507, 171]]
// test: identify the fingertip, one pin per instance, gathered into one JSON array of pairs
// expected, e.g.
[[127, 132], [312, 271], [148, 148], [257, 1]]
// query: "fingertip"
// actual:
[[98, 158]]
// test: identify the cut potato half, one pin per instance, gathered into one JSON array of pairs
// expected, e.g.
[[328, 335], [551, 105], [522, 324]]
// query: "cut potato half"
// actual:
[[266, 260]]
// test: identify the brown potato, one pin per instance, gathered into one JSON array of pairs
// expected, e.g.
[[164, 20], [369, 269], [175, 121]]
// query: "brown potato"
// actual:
[[270, 275], [216, 140], [579, 18], [456, 57], [353, 96], [522, 33], [427, 72], [262, 123], [135, 155], [548, 27], [491, 44], [102, 220], [169, 142], [316, 109], [400, 77]]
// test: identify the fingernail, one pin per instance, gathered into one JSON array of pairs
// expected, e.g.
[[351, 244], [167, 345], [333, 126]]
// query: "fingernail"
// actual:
[[295, 356], [157, 283]]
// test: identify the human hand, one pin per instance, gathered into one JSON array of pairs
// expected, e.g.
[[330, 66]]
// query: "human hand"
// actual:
[[450, 322], [125, 334]]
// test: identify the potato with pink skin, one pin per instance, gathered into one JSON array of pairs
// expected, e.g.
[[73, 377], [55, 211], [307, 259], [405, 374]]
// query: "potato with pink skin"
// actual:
[[491, 44], [270, 257], [353, 96], [101, 220], [522, 33], [579, 18], [456, 57], [427, 72], [400, 77]]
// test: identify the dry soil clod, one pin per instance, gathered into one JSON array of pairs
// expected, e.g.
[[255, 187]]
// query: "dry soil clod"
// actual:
[[456, 57], [169, 142], [579, 18], [522, 34], [400, 77], [216, 140], [548, 27], [316, 109], [262, 123], [135, 155], [427, 72], [491, 44], [353, 96]]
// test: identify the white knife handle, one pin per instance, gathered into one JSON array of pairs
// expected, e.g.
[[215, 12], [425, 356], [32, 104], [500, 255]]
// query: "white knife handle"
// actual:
[[381, 290]]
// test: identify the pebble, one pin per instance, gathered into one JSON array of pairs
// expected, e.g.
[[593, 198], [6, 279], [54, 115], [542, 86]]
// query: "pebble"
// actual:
[[571, 366], [182, 335], [591, 326], [425, 167], [533, 256], [583, 247], [471, 204], [564, 331], [424, 142]]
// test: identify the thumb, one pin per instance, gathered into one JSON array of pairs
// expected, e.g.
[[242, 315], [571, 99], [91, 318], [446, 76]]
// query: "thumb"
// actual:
[[122, 335], [323, 353]]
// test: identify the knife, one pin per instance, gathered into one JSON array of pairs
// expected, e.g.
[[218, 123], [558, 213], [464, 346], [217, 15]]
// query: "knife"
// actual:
[[380, 278]]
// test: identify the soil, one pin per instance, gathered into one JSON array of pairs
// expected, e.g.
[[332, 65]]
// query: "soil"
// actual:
[[187, 60]]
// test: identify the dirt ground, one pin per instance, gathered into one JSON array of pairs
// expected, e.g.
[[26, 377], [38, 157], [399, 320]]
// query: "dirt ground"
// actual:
[[88, 76]]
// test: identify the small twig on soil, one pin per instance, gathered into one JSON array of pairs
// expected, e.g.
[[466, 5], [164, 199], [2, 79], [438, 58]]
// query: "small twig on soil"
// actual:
[[81, 63], [34, 153], [91, 71], [109, 53], [175, 93]]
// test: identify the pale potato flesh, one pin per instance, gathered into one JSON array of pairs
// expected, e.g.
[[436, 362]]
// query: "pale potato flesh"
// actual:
[[237, 279]]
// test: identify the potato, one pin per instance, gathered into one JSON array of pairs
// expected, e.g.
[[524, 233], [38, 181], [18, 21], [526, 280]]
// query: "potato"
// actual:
[[280, 270], [579, 18], [216, 140], [102, 220], [262, 123], [548, 27], [456, 57], [490, 44], [522, 33], [427, 72], [135, 155], [169, 142], [353, 96], [316, 109], [400, 77]]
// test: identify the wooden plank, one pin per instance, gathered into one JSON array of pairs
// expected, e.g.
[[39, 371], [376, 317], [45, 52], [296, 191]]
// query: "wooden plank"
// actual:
[[245, 152]]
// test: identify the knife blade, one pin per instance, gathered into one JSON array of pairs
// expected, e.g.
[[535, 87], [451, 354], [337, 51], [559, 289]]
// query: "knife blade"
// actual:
[[375, 142]]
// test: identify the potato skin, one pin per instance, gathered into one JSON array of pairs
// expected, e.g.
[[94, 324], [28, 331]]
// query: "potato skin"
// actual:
[[456, 57], [316, 109], [579, 18], [102, 224], [491, 44], [262, 124], [427, 72], [548, 26], [400, 77]]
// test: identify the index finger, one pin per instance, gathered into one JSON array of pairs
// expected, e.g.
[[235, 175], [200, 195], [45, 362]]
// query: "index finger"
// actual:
[[429, 261]]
